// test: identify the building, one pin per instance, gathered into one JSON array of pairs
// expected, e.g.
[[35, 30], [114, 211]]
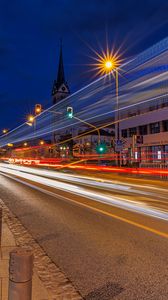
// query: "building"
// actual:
[[145, 132], [60, 87], [60, 91]]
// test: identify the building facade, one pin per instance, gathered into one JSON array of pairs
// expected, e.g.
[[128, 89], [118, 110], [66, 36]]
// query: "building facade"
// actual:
[[146, 136]]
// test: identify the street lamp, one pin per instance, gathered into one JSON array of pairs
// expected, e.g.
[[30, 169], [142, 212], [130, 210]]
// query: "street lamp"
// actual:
[[31, 120], [4, 131], [109, 63]]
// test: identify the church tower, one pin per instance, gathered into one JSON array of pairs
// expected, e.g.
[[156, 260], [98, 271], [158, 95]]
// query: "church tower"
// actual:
[[60, 88]]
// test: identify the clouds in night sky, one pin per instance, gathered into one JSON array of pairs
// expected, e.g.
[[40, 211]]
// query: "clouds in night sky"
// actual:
[[29, 43]]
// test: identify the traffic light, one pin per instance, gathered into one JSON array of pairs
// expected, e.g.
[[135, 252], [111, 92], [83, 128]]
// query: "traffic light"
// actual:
[[101, 148], [69, 112], [38, 109]]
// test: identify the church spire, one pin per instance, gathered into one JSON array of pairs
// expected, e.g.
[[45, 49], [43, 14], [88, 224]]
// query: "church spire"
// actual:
[[60, 88], [60, 74]]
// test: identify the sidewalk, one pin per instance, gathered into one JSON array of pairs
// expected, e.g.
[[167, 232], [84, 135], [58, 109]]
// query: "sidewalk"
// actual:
[[39, 292], [49, 282]]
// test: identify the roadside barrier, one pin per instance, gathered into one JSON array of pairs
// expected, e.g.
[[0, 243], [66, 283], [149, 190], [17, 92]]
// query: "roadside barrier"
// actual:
[[20, 274]]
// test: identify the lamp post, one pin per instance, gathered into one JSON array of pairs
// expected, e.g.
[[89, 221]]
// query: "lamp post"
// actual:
[[107, 64]]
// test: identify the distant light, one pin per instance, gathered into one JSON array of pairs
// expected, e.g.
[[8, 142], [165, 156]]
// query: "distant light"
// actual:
[[30, 118], [4, 131]]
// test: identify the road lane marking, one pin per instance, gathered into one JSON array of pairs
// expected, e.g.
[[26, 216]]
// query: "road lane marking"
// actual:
[[55, 195]]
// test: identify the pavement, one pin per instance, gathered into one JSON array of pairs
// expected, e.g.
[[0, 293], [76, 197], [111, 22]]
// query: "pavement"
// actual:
[[48, 282], [105, 251], [8, 243]]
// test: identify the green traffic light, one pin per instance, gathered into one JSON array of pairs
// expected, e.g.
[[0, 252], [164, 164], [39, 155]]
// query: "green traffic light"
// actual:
[[70, 112], [70, 115], [101, 148]]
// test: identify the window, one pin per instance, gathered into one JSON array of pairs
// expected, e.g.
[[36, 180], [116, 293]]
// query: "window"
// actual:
[[154, 127], [124, 133], [143, 130], [132, 131], [165, 125]]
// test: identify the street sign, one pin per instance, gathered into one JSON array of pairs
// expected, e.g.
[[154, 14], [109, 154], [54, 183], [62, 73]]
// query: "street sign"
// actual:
[[119, 147], [118, 142]]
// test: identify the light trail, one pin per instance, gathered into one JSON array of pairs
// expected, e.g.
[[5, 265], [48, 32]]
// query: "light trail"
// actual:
[[56, 163], [87, 180], [47, 178], [96, 101]]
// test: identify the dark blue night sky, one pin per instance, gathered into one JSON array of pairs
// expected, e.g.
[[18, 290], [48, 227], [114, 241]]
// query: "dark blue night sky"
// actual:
[[30, 31]]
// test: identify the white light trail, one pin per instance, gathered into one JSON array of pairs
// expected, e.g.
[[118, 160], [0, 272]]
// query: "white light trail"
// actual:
[[50, 179], [140, 83]]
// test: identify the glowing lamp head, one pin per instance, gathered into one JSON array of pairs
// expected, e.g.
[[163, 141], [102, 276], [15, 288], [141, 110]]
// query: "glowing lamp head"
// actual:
[[109, 65], [31, 119], [107, 61], [4, 131]]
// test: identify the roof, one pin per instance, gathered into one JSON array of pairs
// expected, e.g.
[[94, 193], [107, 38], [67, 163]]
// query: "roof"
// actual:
[[60, 74]]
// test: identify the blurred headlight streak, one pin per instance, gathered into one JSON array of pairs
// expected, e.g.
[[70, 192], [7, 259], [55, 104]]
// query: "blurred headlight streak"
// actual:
[[37, 176], [144, 79]]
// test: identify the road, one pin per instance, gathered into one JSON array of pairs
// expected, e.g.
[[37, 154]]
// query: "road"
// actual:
[[110, 238]]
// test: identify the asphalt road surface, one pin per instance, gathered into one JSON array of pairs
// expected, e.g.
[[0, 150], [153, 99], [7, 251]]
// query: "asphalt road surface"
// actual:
[[109, 237]]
